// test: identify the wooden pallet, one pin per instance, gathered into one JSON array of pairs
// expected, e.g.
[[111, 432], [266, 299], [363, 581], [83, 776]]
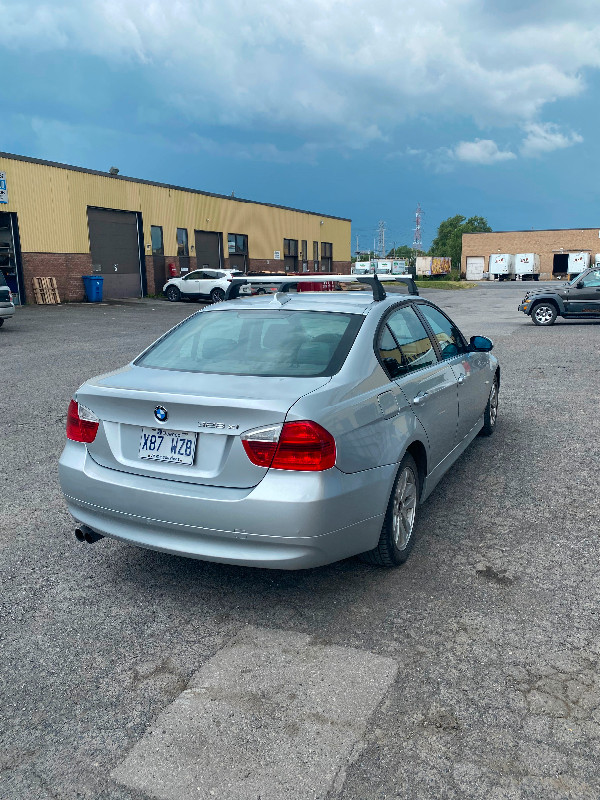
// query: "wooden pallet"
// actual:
[[45, 291]]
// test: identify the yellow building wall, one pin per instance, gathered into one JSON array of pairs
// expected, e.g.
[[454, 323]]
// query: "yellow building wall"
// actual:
[[51, 203]]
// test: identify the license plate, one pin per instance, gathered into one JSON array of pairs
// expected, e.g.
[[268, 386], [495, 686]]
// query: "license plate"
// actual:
[[170, 447]]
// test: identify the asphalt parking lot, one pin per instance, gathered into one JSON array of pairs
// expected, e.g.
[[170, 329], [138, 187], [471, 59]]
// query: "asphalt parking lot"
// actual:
[[471, 672]]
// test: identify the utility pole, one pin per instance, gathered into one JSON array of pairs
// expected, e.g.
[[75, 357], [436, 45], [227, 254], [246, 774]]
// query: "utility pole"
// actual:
[[417, 240], [381, 238]]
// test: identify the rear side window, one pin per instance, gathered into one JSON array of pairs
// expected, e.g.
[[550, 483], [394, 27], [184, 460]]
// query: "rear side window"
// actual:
[[274, 343], [404, 344]]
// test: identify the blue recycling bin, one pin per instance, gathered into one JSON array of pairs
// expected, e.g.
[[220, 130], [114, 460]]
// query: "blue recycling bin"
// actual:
[[93, 288]]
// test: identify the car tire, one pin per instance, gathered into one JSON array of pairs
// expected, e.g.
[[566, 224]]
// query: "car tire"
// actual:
[[544, 314], [1, 322], [217, 295], [260, 291], [490, 415], [398, 531], [173, 294]]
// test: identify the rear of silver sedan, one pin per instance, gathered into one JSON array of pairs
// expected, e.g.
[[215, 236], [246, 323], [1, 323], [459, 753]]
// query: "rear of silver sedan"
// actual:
[[191, 450]]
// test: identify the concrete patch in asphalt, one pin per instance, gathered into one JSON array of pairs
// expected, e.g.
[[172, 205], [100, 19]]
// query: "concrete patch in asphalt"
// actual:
[[273, 715]]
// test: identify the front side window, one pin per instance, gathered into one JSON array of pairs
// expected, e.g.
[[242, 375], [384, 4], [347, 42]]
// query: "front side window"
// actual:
[[592, 279], [237, 243], [261, 342], [182, 242], [156, 234], [404, 344], [193, 276], [449, 337]]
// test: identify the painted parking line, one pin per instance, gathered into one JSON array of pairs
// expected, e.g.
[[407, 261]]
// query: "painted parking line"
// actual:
[[273, 715]]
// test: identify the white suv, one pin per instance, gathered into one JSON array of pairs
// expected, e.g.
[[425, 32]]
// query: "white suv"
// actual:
[[203, 284], [7, 308]]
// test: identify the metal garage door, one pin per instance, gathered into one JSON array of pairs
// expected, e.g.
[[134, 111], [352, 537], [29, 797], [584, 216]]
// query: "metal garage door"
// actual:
[[208, 249], [475, 267], [115, 249]]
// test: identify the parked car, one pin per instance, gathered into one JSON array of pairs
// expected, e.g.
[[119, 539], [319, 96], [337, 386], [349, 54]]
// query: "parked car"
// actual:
[[7, 308], [578, 299], [284, 431], [201, 284]]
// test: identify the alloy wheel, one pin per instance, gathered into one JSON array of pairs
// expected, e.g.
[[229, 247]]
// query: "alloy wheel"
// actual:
[[543, 314], [493, 404], [404, 508]]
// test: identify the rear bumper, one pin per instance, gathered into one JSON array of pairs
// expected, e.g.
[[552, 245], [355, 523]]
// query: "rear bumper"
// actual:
[[6, 311], [289, 521]]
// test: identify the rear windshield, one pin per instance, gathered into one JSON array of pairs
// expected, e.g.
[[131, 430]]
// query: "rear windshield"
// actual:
[[274, 343], [2, 280]]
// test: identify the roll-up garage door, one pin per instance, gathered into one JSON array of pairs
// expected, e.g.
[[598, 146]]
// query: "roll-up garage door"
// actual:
[[115, 249], [475, 267], [208, 249]]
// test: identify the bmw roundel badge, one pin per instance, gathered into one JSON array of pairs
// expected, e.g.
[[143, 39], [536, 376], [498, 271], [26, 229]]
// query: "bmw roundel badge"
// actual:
[[160, 412]]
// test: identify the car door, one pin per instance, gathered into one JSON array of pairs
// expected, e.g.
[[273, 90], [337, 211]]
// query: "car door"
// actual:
[[189, 285], [208, 281], [472, 370], [584, 297], [428, 384]]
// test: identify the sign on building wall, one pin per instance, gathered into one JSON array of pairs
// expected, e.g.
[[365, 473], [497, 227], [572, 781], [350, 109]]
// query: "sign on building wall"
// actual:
[[3, 189], [277, 255]]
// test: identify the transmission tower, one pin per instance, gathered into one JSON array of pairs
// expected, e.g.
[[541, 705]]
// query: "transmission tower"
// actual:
[[417, 241], [381, 238]]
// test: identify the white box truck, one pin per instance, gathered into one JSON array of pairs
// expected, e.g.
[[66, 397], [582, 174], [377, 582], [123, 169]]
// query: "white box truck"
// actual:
[[502, 266], [361, 268], [527, 265], [578, 262]]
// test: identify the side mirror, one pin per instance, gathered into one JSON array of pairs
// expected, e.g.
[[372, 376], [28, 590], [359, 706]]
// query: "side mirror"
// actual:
[[579, 285], [480, 344]]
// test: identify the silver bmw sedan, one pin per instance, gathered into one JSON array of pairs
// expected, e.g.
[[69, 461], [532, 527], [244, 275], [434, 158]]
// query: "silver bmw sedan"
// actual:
[[284, 431]]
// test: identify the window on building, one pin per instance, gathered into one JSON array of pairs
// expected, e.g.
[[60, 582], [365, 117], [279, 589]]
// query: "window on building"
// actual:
[[326, 256], [326, 250], [182, 242], [237, 243], [315, 251], [304, 253], [290, 247], [156, 234]]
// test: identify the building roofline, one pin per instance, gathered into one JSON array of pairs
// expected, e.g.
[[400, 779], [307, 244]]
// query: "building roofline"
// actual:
[[531, 230], [58, 165]]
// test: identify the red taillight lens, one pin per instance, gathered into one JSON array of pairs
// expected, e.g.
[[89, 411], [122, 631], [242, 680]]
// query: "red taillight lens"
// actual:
[[82, 424], [301, 446]]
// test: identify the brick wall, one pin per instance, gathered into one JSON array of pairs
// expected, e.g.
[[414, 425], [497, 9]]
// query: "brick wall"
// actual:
[[545, 243], [67, 268]]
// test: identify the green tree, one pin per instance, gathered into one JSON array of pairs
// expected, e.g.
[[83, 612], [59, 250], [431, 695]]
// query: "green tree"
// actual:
[[448, 241], [405, 251]]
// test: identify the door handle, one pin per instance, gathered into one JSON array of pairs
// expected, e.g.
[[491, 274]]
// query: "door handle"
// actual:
[[461, 378], [420, 398]]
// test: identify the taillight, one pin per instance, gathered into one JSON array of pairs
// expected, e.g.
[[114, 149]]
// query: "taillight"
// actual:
[[302, 446], [82, 424]]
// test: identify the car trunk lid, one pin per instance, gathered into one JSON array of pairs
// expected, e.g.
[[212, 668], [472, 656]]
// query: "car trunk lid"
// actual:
[[212, 409]]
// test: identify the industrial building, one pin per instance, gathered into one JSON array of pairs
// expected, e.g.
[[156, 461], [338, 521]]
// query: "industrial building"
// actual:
[[552, 246], [65, 222]]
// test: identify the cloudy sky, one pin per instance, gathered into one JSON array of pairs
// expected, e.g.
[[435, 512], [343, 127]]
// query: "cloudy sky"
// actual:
[[358, 109]]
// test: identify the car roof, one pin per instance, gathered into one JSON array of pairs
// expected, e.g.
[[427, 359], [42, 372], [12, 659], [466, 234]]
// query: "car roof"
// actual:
[[354, 302]]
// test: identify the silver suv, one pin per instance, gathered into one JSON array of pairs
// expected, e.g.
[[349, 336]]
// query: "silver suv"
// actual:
[[283, 431]]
